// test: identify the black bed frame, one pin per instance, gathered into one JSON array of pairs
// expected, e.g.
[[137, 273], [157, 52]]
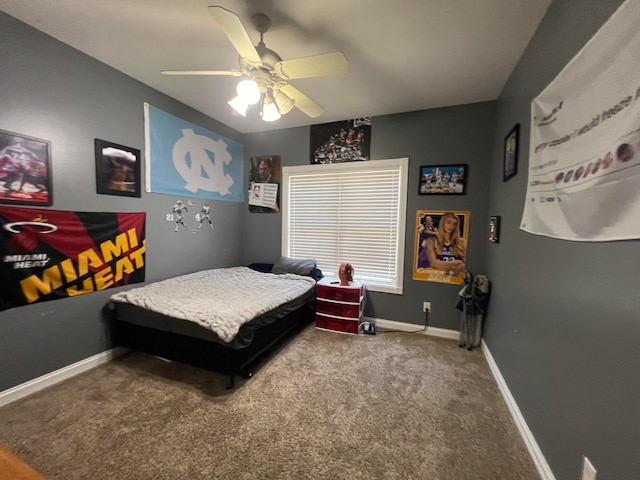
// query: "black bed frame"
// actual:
[[207, 354]]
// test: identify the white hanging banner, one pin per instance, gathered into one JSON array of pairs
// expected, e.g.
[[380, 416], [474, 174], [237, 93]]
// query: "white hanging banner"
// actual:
[[584, 157]]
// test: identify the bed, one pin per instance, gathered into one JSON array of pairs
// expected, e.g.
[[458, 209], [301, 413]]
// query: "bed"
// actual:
[[225, 319]]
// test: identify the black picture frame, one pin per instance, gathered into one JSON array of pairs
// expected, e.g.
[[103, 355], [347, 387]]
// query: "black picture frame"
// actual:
[[261, 197], [443, 179], [342, 141], [117, 169], [25, 170], [494, 229], [510, 157]]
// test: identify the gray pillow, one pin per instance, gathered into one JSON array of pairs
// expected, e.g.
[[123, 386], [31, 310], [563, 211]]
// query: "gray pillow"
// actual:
[[299, 266]]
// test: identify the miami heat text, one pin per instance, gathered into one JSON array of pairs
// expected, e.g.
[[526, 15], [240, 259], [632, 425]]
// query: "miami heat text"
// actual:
[[93, 270]]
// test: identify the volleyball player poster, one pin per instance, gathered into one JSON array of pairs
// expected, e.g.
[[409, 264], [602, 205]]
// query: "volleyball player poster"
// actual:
[[440, 253]]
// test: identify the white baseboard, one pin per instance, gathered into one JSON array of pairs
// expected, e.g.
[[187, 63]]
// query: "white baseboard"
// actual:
[[412, 327], [534, 450], [52, 378]]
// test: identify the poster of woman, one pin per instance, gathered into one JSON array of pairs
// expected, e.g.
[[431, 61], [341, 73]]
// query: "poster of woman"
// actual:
[[440, 253]]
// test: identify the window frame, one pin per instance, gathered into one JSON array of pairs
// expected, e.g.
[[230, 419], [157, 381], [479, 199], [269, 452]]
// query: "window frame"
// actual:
[[402, 164]]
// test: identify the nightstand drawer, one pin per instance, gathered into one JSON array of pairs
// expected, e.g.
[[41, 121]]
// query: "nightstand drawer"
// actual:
[[336, 324], [341, 309], [350, 293]]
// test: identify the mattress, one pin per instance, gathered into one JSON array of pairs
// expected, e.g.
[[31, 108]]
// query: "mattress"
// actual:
[[221, 305]]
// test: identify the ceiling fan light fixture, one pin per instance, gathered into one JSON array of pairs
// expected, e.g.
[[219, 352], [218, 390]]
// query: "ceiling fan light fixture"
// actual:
[[269, 111], [249, 91], [266, 73], [284, 102], [239, 105]]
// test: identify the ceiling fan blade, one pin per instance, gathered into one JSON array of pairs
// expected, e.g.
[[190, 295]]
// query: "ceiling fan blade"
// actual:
[[235, 32], [303, 102], [334, 63], [234, 73]]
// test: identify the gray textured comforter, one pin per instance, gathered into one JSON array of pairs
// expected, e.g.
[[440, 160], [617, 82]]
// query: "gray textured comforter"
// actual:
[[221, 300]]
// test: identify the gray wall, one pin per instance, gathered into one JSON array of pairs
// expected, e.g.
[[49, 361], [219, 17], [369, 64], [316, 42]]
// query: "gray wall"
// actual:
[[49, 90], [565, 316], [461, 134]]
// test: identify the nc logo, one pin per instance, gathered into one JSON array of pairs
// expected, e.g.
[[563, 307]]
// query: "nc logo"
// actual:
[[201, 172]]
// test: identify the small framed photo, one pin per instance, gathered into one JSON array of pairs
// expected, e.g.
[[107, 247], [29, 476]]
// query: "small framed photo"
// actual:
[[511, 141], [494, 229], [117, 169], [264, 184], [25, 170], [443, 180]]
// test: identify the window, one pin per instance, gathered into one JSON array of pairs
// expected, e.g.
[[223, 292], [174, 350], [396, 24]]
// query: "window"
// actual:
[[348, 212]]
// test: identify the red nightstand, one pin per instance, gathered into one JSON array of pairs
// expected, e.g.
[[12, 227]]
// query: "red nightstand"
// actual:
[[339, 308]]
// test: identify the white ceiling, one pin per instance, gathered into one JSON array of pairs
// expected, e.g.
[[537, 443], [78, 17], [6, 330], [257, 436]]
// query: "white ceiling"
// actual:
[[404, 55]]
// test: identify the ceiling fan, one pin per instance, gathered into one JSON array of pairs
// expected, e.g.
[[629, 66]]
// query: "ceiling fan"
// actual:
[[268, 75]]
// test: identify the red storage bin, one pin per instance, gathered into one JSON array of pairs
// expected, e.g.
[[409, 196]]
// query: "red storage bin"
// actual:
[[336, 308], [336, 324], [340, 293], [339, 308]]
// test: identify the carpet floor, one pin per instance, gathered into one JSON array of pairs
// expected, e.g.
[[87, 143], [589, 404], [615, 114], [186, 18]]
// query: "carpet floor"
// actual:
[[323, 406]]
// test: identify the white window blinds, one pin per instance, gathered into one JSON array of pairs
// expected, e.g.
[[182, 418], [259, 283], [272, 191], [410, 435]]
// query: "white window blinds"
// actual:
[[348, 212]]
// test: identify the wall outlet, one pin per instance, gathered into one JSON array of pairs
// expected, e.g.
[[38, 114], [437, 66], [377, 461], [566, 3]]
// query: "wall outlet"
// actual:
[[588, 470], [426, 306]]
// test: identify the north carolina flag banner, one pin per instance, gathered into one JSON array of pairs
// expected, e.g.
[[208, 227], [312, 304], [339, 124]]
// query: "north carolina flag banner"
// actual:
[[187, 160], [584, 158], [52, 254]]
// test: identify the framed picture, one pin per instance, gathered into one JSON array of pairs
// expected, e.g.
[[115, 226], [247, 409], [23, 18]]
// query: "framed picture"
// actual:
[[25, 170], [117, 169], [511, 141], [264, 184], [343, 141], [443, 180], [440, 253], [494, 229]]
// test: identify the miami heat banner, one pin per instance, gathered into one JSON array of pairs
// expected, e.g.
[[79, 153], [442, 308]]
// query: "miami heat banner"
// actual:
[[584, 158], [51, 254]]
